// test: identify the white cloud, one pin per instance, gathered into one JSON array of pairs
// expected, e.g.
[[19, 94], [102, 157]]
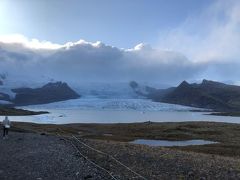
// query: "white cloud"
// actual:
[[210, 39], [35, 44], [87, 61], [28, 43], [212, 35]]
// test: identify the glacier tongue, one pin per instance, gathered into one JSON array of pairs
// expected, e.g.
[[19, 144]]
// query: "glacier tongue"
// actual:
[[113, 104]]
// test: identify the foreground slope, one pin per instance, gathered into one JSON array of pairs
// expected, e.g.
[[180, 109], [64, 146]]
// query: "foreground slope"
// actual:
[[35, 156], [27, 155]]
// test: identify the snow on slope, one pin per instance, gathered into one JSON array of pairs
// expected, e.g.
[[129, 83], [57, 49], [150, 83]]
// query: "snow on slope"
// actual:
[[105, 90], [12, 81]]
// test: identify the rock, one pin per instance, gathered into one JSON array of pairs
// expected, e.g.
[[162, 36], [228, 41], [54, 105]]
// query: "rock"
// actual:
[[190, 175], [88, 177], [133, 84]]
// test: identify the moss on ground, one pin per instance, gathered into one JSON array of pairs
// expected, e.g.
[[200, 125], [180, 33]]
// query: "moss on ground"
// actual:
[[227, 134]]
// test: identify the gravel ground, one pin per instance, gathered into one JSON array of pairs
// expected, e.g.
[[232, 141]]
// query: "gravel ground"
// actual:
[[162, 163], [35, 156]]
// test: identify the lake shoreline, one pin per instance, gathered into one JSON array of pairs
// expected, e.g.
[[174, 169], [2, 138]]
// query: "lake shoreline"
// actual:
[[11, 111], [232, 114]]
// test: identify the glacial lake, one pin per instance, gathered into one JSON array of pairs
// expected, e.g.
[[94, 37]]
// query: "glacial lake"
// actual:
[[95, 110], [171, 143]]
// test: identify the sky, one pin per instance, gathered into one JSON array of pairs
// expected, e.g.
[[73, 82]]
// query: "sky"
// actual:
[[121, 23], [109, 40]]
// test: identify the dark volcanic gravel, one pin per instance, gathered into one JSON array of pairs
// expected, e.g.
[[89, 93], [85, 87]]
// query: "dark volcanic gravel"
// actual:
[[167, 164], [34, 156]]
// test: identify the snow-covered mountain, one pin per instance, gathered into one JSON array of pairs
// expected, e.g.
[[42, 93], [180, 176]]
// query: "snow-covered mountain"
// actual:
[[105, 90], [26, 91]]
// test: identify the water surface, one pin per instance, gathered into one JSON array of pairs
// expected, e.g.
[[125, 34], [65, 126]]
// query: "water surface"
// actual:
[[95, 110], [171, 143]]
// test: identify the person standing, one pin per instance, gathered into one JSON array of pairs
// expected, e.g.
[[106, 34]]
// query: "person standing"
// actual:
[[6, 126]]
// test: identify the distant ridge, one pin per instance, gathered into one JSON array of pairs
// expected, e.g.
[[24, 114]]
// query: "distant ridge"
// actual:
[[208, 94], [51, 92]]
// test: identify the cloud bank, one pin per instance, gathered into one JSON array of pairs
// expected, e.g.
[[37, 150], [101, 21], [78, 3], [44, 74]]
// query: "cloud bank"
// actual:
[[212, 38], [93, 62]]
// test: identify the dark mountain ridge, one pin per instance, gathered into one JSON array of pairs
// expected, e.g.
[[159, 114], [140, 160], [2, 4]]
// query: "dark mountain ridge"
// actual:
[[208, 94], [51, 92]]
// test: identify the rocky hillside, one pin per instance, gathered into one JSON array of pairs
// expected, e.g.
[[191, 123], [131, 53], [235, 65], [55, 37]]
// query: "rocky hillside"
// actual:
[[51, 92], [148, 91], [208, 94]]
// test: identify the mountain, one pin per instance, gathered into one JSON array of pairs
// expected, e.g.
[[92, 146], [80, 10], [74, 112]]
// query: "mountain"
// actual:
[[104, 90], [147, 91], [150, 92], [51, 92], [208, 94]]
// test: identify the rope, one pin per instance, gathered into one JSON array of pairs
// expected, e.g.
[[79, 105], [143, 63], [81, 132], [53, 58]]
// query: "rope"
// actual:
[[139, 175], [85, 157]]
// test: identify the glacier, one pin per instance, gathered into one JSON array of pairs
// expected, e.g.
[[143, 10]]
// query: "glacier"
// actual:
[[94, 103]]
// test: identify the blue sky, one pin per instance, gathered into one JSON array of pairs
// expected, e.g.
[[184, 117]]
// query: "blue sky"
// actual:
[[122, 23]]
